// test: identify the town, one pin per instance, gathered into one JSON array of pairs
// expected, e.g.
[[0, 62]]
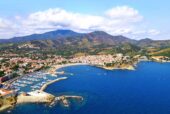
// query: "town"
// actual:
[[13, 65], [18, 72]]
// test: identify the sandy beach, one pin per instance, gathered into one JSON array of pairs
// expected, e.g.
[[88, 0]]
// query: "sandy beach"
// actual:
[[56, 67], [126, 67]]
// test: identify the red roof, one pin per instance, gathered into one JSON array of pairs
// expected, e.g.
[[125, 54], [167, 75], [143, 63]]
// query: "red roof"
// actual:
[[4, 92]]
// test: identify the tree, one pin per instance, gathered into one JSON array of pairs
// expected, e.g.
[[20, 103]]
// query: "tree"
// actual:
[[15, 74], [16, 67], [2, 73]]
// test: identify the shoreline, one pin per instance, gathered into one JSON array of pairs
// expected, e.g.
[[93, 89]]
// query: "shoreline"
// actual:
[[53, 69], [123, 68], [56, 67], [129, 67], [47, 98], [5, 107], [35, 97], [40, 96]]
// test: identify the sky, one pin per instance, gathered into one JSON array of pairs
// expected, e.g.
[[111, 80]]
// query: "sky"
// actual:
[[136, 19]]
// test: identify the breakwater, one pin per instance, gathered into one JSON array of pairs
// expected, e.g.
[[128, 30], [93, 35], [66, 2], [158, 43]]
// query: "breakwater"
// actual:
[[53, 81]]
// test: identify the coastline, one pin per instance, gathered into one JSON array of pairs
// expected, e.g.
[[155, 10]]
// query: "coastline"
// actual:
[[49, 98], [121, 68], [40, 96], [56, 67], [5, 107], [35, 97], [126, 67]]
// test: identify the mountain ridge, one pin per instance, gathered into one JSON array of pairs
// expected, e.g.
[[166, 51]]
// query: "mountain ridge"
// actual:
[[53, 35], [59, 38]]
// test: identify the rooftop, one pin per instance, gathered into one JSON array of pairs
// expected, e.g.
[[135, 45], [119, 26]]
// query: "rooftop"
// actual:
[[4, 92]]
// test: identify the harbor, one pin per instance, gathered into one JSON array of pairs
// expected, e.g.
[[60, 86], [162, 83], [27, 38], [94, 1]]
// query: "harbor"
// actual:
[[30, 88], [31, 82], [45, 85]]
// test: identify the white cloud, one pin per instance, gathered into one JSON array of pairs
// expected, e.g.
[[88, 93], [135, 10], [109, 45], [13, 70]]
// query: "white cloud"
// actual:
[[153, 32], [6, 28], [60, 18], [120, 20], [124, 14], [3, 23]]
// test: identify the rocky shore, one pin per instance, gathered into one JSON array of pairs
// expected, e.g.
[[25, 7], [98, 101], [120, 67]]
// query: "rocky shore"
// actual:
[[7, 103], [127, 67], [35, 97]]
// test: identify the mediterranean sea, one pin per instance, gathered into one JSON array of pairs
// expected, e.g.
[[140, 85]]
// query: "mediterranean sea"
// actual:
[[145, 90]]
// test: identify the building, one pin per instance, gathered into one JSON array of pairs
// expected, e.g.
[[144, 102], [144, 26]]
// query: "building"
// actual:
[[4, 93]]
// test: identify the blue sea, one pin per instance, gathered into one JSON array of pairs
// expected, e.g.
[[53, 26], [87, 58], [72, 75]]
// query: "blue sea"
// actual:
[[145, 90]]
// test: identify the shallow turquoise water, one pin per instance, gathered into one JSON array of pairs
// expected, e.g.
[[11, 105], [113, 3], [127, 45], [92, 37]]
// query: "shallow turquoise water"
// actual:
[[143, 91]]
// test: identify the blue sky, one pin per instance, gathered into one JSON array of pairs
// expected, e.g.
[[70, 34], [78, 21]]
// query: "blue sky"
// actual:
[[154, 22]]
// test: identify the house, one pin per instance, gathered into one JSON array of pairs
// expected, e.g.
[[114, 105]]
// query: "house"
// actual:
[[4, 93], [160, 58]]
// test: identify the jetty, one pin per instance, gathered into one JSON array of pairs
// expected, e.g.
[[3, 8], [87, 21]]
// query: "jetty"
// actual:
[[53, 81], [64, 99]]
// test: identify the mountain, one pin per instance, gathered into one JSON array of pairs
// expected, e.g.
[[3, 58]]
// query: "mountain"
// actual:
[[70, 42], [94, 37], [61, 37], [153, 43], [63, 34], [52, 35], [86, 40]]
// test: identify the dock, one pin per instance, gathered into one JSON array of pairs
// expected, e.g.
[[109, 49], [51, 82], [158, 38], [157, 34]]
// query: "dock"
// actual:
[[53, 81]]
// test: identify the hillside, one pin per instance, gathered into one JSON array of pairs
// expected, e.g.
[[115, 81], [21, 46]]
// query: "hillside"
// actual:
[[67, 42], [162, 52]]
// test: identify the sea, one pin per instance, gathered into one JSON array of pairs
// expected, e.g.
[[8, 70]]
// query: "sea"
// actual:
[[145, 90]]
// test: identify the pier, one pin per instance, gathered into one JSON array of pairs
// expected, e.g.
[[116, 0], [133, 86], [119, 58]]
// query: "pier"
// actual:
[[53, 81]]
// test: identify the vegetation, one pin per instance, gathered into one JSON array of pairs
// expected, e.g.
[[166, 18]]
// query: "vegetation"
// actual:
[[162, 52], [69, 43], [2, 73], [16, 67]]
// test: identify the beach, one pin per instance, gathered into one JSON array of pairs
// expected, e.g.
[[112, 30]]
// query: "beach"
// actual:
[[53, 68]]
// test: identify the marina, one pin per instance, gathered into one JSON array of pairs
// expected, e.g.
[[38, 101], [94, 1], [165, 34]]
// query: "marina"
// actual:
[[32, 82]]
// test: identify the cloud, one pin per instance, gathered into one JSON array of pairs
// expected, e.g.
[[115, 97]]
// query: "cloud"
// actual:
[[124, 14], [3, 23], [59, 18], [153, 32], [120, 20], [6, 28]]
